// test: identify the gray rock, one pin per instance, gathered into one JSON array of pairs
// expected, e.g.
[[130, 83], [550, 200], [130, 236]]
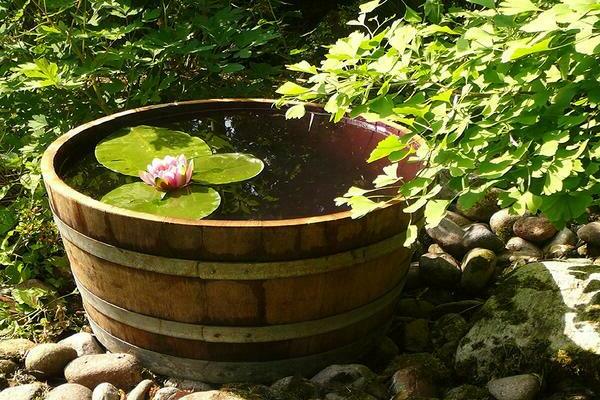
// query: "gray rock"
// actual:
[[49, 359], [478, 269], [519, 387], [458, 219], [106, 391], [467, 392], [541, 317], [450, 328], [427, 365], [7, 367], [435, 249], [449, 236], [562, 245], [70, 391], [439, 270], [534, 229], [353, 376], [479, 235], [23, 392], [167, 393], [414, 308], [300, 387], [121, 370], [187, 384], [15, 349], [411, 382], [590, 233], [213, 395], [83, 343], [501, 223], [140, 392], [416, 336], [483, 209], [522, 249]]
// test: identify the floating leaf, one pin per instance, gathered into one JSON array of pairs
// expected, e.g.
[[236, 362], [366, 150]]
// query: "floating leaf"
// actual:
[[129, 150], [226, 168], [192, 202]]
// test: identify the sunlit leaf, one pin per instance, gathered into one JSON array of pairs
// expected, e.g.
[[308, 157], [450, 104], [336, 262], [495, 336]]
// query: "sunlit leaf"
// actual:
[[192, 202], [129, 150]]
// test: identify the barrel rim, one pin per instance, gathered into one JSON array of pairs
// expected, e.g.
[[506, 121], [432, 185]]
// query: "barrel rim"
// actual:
[[53, 180]]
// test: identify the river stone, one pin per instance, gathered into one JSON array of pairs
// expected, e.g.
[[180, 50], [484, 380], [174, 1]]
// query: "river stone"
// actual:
[[414, 308], [534, 229], [458, 219], [446, 333], [518, 387], [297, 387], [167, 393], [141, 390], [478, 269], [541, 317], [522, 249], [106, 391], [439, 270], [483, 209], [411, 382], [70, 391], [15, 349], [30, 391], [83, 343], [449, 236], [121, 370], [49, 358], [435, 249], [467, 392], [7, 367], [479, 235], [562, 244], [426, 363], [501, 223], [416, 336], [213, 395], [590, 233], [463, 307], [353, 376], [188, 384]]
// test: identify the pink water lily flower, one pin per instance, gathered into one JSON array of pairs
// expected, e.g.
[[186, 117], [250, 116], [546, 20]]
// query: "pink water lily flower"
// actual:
[[169, 173]]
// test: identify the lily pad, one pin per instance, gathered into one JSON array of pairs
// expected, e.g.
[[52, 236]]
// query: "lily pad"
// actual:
[[191, 202], [226, 168], [129, 150]]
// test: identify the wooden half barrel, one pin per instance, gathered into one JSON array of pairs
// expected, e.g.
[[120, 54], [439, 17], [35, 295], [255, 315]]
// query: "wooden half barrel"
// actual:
[[228, 300]]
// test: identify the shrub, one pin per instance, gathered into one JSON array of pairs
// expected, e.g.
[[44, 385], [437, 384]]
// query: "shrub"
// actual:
[[502, 96]]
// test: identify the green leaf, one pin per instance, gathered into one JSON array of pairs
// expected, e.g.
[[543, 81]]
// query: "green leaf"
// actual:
[[557, 173], [435, 210], [514, 7], [443, 96], [226, 168], [129, 150], [295, 112], [8, 219], [387, 146], [411, 15], [291, 89], [191, 202], [523, 49], [485, 3], [362, 205], [563, 207], [412, 232], [369, 6], [303, 66], [587, 45]]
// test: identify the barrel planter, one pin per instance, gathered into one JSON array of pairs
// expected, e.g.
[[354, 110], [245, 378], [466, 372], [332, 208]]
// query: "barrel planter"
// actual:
[[224, 300]]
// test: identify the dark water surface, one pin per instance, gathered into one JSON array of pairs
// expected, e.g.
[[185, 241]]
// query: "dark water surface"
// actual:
[[308, 162]]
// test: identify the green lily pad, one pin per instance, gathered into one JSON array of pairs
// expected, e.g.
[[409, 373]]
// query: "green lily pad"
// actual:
[[129, 150], [226, 168], [191, 202]]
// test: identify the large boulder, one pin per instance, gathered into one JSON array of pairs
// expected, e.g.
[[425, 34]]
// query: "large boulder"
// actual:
[[542, 317]]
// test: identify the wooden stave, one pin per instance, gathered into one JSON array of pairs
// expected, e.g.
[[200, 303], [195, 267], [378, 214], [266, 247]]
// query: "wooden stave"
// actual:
[[262, 240]]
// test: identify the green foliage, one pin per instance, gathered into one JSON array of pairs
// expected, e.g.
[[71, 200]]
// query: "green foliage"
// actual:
[[66, 62], [505, 95]]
